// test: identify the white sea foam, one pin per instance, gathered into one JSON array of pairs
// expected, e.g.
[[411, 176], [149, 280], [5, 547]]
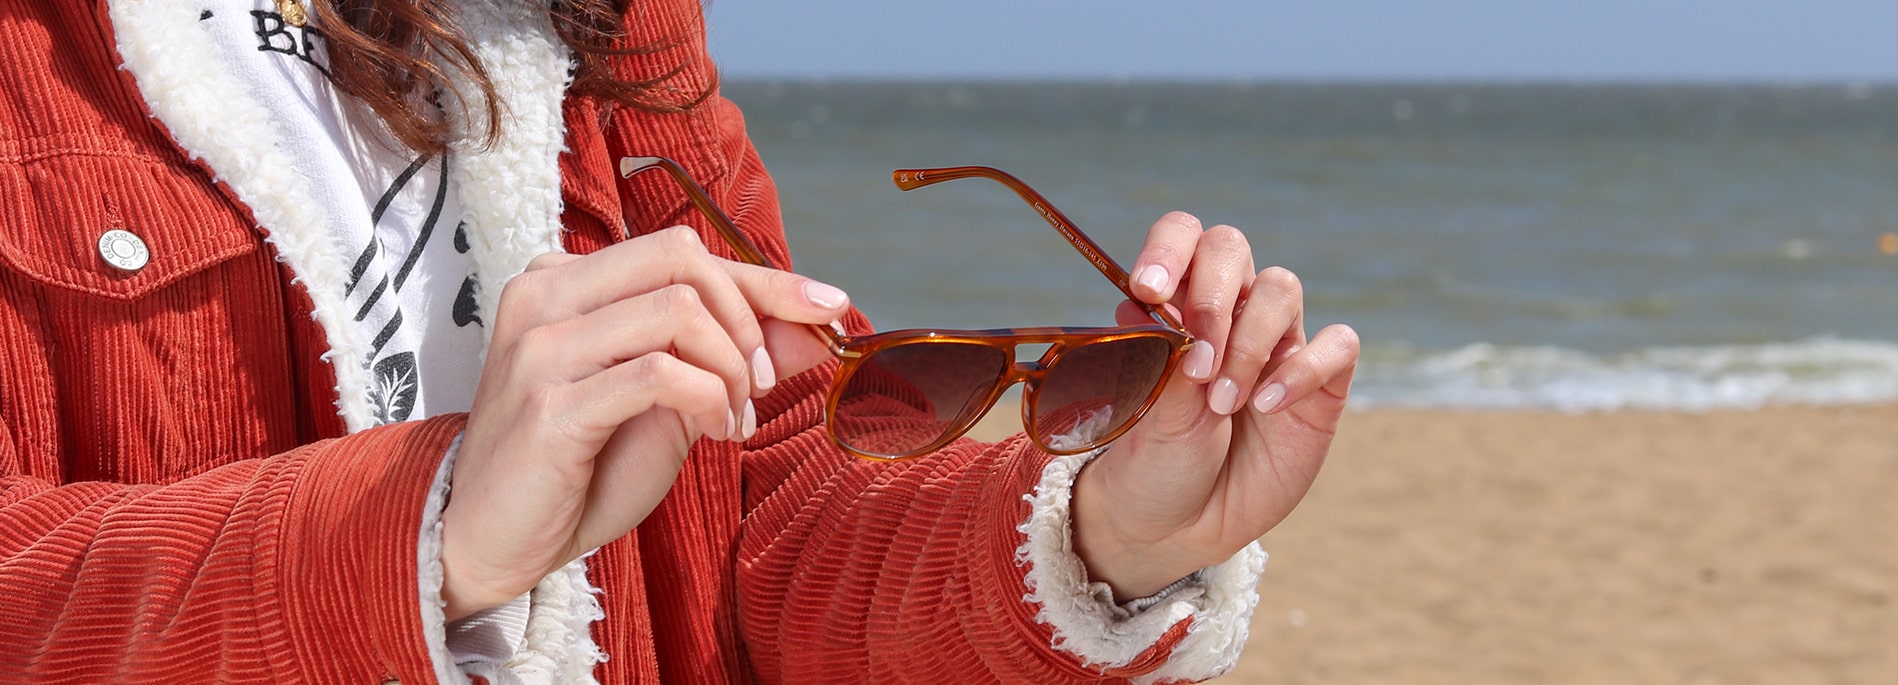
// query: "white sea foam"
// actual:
[[1815, 371]]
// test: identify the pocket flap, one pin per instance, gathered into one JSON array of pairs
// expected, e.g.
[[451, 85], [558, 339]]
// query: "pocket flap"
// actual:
[[57, 207]]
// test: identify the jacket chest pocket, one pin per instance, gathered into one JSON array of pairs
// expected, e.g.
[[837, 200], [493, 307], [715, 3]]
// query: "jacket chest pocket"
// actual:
[[144, 306], [115, 227]]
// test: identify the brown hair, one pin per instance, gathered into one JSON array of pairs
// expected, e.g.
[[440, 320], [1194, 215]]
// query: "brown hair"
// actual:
[[395, 56]]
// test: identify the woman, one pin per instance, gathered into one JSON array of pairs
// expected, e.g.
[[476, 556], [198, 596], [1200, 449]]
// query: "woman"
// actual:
[[256, 256]]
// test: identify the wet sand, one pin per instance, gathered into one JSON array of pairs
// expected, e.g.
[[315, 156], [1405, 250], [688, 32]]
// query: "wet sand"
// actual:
[[1631, 547]]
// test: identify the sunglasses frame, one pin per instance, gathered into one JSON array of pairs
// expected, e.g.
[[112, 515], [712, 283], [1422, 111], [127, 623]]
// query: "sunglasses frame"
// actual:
[[853, 350]]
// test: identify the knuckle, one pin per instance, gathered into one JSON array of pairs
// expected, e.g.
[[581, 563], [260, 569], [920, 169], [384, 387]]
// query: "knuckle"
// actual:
[[736, 373], [1347, 337], [1225, 236], [689, 388], [533, 343], [784, 282], [650, 370], [519, 288], [1182, 219], [682, 237], [1210, 309], [657, 375], [548, 406], [1166, 253], [681, 301], [546, 260], [1244, 357], [1282, 279]]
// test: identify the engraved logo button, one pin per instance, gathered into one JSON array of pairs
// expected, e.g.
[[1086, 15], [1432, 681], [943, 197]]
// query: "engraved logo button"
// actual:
[[123, 250]]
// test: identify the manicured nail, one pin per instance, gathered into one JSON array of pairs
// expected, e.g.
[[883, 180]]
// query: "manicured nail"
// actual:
[[1154, 277], [751, 420], [763, 374], [826, 296], [1268, 399], [1223, 397], [1199, 361], [731, 424]]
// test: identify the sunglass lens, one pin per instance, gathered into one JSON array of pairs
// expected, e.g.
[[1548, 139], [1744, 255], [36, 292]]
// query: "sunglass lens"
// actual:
[[901, 399], [1095, 390]]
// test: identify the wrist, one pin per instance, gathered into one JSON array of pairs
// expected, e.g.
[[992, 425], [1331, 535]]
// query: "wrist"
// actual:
[[1131, 568], [463, 592]]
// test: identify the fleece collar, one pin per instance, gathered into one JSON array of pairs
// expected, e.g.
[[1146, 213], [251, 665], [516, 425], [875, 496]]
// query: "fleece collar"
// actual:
[[509, 191], [511, 203]]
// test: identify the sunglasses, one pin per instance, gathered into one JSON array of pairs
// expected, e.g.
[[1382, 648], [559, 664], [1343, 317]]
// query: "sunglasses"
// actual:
[[906, 393]]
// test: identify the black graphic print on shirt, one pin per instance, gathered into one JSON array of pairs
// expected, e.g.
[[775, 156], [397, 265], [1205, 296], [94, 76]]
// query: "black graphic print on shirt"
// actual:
[[409, 294], [303, 42], [467, 308], [393, 390]]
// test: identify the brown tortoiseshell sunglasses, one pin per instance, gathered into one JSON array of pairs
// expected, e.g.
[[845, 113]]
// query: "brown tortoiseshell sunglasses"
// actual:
[[906, 393]]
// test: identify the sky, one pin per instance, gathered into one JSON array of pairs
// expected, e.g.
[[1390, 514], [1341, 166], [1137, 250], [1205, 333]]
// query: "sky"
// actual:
[[1547, 40]]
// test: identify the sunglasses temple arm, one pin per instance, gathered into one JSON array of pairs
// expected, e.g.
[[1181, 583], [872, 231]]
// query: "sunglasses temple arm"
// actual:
[[911, 179], [832, 335], [696, 193]]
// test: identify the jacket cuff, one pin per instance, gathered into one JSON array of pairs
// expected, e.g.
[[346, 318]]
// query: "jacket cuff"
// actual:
[[1218, 600], [557, 645], [345, 564]]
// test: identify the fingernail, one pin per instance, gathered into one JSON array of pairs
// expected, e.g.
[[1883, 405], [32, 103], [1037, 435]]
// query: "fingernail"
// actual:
[[731, 424], [1154, 277], [1269, 398], [1199, 361], [751, 420], [826, 296], [762, 372], [1224, 397]]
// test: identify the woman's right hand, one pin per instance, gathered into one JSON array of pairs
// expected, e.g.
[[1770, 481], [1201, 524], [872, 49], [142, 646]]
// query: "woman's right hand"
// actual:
[[602, 371]]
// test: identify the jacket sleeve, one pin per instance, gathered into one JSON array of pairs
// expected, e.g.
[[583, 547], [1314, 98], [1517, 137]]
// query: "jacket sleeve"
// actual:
[[954, 567], [295, 567], [951, 567]]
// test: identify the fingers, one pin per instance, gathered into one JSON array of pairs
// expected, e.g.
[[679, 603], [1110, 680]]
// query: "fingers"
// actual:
[[1221, 270], [1163, 259], [562, 290], [1326, 365], [560, 287], [1247, 325], [600, 403], [1267, 358], [676, 256], [1271, 323], [672, 318], [1205, 293]]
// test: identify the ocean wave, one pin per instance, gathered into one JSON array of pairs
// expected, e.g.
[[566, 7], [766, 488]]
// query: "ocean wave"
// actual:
[[1815, 371]]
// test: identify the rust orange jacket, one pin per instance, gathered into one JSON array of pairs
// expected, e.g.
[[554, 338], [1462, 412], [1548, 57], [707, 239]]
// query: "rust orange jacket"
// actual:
[[186, 494]]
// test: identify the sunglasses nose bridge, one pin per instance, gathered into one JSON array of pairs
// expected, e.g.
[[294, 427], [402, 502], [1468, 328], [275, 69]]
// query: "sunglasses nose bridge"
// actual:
[[1021, 372]]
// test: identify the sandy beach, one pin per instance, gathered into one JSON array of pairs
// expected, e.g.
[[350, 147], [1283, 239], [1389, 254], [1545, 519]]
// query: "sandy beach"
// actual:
[[1631, 547]]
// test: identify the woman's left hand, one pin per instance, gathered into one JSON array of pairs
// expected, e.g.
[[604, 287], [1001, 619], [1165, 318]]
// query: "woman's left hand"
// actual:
[[1239, 432]]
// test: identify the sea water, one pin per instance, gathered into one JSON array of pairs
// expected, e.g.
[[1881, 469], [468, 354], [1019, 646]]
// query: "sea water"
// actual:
[[1562, 246]]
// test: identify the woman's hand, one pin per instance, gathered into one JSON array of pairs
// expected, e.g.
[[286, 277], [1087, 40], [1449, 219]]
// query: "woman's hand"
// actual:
[[1238, 434], [602, 372]]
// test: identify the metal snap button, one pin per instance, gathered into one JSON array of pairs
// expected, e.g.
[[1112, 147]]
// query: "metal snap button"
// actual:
[[123, 250]]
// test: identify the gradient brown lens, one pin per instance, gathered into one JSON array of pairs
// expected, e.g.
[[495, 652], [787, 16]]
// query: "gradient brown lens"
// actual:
[[1093, 391], [903, 398]]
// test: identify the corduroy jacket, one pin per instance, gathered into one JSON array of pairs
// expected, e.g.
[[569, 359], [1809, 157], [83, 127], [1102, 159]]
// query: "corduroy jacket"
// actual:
[[188, 493]]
